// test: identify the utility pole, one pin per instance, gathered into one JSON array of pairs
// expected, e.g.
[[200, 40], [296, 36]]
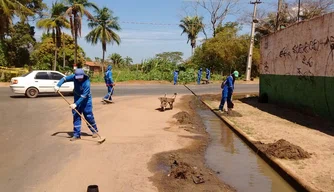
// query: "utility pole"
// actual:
[[298, 15], [278, 17], [251, 44]]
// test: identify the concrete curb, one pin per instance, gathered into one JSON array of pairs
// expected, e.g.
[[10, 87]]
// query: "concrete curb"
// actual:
[[287, 175]]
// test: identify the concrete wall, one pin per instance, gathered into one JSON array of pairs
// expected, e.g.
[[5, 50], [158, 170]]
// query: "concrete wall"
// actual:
[[297, 65]]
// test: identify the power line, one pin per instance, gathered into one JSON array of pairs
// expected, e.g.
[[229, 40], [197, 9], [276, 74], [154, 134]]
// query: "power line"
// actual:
[[150, 39], [139, 23]]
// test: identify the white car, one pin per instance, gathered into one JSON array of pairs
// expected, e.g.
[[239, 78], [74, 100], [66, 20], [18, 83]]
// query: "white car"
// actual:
[[39, 81]]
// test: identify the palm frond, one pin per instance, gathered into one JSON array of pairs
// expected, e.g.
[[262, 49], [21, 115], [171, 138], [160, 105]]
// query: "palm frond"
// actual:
[[79, 24], [88, 15], [91, 5]]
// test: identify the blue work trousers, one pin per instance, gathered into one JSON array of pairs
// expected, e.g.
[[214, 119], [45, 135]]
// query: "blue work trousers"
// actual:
[[110, 93], [198, 80], [226, 96], [87, 110]]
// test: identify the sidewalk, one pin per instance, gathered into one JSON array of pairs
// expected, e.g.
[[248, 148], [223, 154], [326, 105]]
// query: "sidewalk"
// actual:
[[267, 123]]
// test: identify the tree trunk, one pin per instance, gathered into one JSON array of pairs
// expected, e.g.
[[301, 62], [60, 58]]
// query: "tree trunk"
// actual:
[[278, 17], [63, 50], [193, 45], [102, 63], [55, 63], [64, 59], [75, 39]]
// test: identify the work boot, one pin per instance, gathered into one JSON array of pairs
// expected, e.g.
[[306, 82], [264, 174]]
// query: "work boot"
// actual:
[[94, 135], [74, 138]]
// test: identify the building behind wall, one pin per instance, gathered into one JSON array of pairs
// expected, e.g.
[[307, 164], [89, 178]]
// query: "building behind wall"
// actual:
[[297, 66]]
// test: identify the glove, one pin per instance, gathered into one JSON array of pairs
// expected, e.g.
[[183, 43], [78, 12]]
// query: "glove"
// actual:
[[56, 88], [73, 106]]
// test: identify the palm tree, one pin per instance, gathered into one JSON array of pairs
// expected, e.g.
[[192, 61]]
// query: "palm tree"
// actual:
[[128, 61], [116, 60], [192, 26], [55, 22], [103, 30], [76, 10], [8, 9]]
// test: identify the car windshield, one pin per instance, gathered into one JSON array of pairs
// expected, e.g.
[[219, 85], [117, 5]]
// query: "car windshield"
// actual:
[[26, 74]]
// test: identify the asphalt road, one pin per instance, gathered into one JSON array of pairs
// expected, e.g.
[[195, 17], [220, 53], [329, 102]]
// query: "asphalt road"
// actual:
[[27, 147], [129, 90]]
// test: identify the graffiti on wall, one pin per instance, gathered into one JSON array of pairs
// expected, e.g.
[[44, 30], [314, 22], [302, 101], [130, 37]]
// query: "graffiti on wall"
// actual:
[[296, 51]]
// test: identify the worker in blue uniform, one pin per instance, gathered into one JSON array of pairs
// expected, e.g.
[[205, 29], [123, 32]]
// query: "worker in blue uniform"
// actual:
[[208, 74], [199, 76], [228, 87], [109, 83], [176, 76], [82, 102]]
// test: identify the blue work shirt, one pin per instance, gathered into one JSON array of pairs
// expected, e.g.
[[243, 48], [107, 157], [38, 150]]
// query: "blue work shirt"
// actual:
[[82, 92], [108, 77]]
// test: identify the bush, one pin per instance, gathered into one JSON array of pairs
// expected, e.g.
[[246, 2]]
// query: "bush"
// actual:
[[6, 74], [187, 76]]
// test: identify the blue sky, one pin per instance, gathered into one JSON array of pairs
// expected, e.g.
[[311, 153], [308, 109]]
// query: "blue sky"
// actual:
[[142, 41]]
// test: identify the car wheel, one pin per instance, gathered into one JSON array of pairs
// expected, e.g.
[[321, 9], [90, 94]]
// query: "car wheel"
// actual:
[[32, 92]]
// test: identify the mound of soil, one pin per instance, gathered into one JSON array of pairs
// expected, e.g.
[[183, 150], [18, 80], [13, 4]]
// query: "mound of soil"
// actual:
[[183, 117], [181, 170], [283, 149]]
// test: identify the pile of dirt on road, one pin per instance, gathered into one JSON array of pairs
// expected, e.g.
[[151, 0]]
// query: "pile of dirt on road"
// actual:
[[182, 170], [183, 118], [283, 149]]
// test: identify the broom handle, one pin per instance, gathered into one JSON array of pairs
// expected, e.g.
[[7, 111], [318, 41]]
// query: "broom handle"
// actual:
[[82, 117]]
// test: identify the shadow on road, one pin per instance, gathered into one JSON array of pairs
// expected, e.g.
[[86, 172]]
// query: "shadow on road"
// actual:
[[39, 96], [69, 134], [159, 109], [232, 113], [293, 115]]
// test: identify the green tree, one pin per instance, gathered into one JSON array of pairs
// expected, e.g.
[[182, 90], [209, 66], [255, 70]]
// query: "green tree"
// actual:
[[104, 28], [116, 60], [36, 6], [175, 57], [18, 45], [55, 22], [3, 58], [9, 9], [128, 61], [43, 54], [76, 10], [226, 51], [192, 26]]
